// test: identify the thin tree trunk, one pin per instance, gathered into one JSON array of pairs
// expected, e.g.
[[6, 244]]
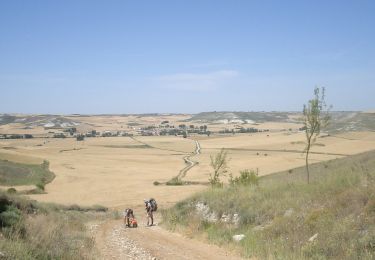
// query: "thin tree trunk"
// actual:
[[307, 166], [307, 159]]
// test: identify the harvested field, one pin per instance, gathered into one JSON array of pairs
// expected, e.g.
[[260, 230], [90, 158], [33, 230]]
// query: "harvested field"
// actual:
[[120, 171]]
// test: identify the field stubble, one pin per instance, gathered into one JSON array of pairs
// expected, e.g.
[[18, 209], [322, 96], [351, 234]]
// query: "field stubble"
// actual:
[[120, 171]]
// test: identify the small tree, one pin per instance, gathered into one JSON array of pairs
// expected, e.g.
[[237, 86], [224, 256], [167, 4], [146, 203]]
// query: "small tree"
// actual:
[[45, 164], [220, 167], [315, 117]]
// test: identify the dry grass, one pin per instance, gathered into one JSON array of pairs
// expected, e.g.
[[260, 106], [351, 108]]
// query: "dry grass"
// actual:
[[32, 230], [338, 206]]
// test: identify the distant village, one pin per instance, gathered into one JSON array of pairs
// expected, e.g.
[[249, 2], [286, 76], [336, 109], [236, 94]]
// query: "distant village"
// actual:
[[163, 129]]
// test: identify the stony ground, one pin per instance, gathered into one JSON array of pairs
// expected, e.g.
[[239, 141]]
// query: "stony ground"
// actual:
[[114, 241]]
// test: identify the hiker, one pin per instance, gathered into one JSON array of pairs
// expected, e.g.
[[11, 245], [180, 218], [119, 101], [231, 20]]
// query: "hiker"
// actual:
[[128, 216], [150, 206]]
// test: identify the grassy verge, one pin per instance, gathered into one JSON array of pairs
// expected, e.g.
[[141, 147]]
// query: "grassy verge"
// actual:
[[12, 173], [284, 218], [31, 230]]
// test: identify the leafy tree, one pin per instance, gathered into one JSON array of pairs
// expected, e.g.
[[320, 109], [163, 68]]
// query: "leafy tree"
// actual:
[[219, 164], [315, 117]]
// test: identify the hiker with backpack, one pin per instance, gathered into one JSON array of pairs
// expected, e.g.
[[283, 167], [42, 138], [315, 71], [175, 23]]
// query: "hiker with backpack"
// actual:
[[128, 217], [150, 206]]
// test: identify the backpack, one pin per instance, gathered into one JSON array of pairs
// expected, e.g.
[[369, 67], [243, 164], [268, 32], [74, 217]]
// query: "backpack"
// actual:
[[154, 205]]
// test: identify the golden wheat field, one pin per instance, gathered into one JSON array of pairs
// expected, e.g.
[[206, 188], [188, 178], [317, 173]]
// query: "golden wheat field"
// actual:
[[121, 171]]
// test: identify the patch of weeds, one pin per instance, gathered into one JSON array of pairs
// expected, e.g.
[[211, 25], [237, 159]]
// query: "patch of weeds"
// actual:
[[175, 181], [40, 186], [11, 191], [246, 178]]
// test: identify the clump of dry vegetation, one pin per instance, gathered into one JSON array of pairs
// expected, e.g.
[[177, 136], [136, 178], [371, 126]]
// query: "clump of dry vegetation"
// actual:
[[31, 230], [283, 217]]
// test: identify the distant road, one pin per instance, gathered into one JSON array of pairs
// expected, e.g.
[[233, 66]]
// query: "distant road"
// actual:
[[189, 161]]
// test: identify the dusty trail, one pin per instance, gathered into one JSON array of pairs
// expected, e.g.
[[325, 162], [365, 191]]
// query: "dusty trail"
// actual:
[[190, 163], [114, 241]]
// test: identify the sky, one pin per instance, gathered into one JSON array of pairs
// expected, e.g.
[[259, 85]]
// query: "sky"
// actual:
[[179, 56]]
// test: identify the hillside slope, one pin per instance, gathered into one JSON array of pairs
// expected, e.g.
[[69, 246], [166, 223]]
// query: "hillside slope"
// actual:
[[333, 217]]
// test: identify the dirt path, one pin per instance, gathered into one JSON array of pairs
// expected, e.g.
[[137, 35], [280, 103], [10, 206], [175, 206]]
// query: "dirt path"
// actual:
[[190, 163], [114, 241]]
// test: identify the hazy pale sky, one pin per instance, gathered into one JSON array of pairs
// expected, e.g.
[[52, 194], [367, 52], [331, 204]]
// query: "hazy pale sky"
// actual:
[[184, 56]]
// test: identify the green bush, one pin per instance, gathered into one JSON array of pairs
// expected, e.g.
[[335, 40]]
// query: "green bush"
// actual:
[[10, 217], [11, 190], [246, 178]]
